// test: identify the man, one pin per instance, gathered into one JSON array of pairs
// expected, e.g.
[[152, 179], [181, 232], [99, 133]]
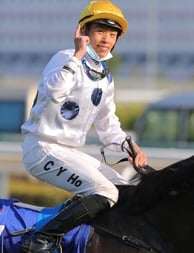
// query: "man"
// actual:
[[76, 92]]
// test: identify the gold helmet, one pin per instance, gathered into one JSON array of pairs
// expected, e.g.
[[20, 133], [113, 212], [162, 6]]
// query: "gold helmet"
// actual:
[[106, 13]]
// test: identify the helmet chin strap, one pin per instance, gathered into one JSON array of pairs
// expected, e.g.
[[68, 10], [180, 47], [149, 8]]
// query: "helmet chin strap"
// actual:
[[95, 57]]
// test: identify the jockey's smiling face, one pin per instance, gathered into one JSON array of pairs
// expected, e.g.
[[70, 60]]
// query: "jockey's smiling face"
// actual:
[[102, 38]]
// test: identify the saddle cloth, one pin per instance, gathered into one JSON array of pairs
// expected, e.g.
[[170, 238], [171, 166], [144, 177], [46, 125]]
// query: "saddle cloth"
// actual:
[[18, 221]]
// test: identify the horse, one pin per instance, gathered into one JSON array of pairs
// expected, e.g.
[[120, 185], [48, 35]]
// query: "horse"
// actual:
[[156, 215]]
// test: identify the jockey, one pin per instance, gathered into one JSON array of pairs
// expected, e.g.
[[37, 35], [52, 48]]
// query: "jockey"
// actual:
[[77, 92]]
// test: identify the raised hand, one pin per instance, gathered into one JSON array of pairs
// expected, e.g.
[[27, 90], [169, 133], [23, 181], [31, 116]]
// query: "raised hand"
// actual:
[[81, 42]]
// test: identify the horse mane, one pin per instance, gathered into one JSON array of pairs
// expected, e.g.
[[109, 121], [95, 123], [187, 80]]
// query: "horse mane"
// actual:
[[154, 186]]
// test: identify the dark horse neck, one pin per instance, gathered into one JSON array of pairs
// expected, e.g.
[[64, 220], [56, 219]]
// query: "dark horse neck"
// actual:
[[155, 186], [148, 212]]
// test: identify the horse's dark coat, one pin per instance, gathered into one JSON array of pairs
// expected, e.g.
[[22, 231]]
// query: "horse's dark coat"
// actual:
[[159, 211]]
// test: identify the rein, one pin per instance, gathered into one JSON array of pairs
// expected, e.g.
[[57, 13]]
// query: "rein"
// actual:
[[127, 147], [128, 240]]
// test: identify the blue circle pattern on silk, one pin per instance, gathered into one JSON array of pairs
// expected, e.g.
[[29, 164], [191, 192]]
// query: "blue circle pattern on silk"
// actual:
[[69, 110], [96, 96]]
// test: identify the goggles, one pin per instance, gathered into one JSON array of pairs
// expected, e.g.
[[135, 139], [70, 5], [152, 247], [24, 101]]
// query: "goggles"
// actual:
[[93, 74]]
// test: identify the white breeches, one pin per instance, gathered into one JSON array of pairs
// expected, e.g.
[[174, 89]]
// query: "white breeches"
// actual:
[[69, 169]]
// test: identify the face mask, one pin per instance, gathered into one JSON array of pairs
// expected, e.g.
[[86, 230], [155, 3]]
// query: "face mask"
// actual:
[[95, 57]]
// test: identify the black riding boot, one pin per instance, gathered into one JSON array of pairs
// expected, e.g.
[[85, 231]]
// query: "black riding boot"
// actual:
[[48, 238]]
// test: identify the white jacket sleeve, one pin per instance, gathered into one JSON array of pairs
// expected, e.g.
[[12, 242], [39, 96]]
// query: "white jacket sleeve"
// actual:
[[107, 123], [58, 81]]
